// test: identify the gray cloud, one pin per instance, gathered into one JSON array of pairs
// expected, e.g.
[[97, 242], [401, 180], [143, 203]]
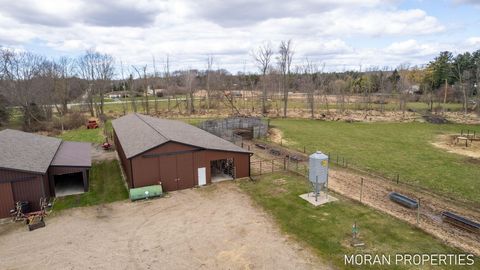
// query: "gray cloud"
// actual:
[[244, 13], [104, 13], [95, 13], [467, 2]]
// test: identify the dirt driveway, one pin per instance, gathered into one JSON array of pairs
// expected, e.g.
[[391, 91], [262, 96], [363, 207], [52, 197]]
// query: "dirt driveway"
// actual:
[[216, 227]]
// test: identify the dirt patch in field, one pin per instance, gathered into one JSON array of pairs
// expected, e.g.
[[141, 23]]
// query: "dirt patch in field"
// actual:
[[191, 229], [448, 143], [276, 136], [99, 154]]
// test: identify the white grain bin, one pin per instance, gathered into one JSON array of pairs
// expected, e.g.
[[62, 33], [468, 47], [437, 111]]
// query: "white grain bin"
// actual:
[[318, 163]]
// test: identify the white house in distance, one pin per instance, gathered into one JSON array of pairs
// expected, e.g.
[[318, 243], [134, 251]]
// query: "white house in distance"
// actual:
[[118, 94], [158, 92]]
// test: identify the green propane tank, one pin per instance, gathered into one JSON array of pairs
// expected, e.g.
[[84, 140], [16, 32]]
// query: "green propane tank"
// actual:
[[145, 192]]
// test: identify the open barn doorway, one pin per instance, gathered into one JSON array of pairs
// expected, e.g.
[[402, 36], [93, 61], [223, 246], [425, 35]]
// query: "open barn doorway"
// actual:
[[69, 184], [222, 169]]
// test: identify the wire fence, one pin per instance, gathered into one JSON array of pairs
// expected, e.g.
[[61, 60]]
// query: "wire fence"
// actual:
[[295, 163], [259, 167], [367, 190]]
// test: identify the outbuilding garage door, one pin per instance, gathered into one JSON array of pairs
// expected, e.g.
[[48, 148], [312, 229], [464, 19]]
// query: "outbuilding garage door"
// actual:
[[6, 199]]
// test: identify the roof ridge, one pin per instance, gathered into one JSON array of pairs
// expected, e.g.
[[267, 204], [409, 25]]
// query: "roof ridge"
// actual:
[[157, 131]]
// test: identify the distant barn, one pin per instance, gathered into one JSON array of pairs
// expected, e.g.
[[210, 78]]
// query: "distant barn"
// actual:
[[34, 166], [175, 154]]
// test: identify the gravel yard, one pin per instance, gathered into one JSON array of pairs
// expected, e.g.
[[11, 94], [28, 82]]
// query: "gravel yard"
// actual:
[[216, 227]]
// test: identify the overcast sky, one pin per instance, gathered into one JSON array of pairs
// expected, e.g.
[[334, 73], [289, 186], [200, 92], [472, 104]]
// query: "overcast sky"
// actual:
[[342, 34]]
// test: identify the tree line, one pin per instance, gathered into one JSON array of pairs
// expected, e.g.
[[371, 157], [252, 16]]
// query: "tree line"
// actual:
[[37, 86]]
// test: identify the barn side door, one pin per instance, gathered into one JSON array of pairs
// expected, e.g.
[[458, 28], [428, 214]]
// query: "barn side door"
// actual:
[[6, 199], [185, 171], [168, 172]]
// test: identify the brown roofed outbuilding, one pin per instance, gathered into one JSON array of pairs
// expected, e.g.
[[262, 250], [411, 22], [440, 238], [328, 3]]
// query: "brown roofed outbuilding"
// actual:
[[176, 154], [30, 164]]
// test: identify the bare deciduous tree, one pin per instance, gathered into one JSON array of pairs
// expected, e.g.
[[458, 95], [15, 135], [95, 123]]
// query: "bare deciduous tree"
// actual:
[[263, 57], [20, 70], [96, 70], [190, 80], [208, 75], [144, 86], [284, 62]]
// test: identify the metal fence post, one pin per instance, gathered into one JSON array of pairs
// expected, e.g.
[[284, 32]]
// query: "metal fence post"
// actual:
[[260, 167], [272, 165]]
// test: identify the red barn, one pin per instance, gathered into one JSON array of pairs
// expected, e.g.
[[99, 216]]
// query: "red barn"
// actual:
[[175, 154]]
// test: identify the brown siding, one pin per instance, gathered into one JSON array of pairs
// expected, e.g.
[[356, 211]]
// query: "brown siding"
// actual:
[[185, 174], [30, 190], [23, 186], [176, 165], [46, 185], [123, 160], [150, 170], [6, 199], [65, 170]]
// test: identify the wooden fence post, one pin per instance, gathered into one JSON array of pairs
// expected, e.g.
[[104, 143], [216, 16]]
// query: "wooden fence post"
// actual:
[[260, 167], [272, 165], [418, 212], [361, 189]]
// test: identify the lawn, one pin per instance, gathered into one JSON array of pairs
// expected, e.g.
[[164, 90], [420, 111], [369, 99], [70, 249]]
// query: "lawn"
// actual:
[[327, 229], [106, 185], [83, 134], [391, 148]]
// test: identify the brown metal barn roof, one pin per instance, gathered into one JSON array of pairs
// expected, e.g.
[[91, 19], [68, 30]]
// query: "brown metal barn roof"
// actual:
[[26, 152], [138, 133], [73, 154]]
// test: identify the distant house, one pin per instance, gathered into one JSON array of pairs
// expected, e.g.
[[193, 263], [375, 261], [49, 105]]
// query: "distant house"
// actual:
[[118, 94], [414, 89], [158, 92]]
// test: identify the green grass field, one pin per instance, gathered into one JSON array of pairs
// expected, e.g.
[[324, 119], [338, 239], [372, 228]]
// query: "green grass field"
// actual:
[[83, 134], [391, 148], [327, 229], [106, 185]]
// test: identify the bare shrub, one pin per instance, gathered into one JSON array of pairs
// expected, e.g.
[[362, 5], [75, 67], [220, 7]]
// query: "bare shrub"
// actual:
[[70, 121]]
